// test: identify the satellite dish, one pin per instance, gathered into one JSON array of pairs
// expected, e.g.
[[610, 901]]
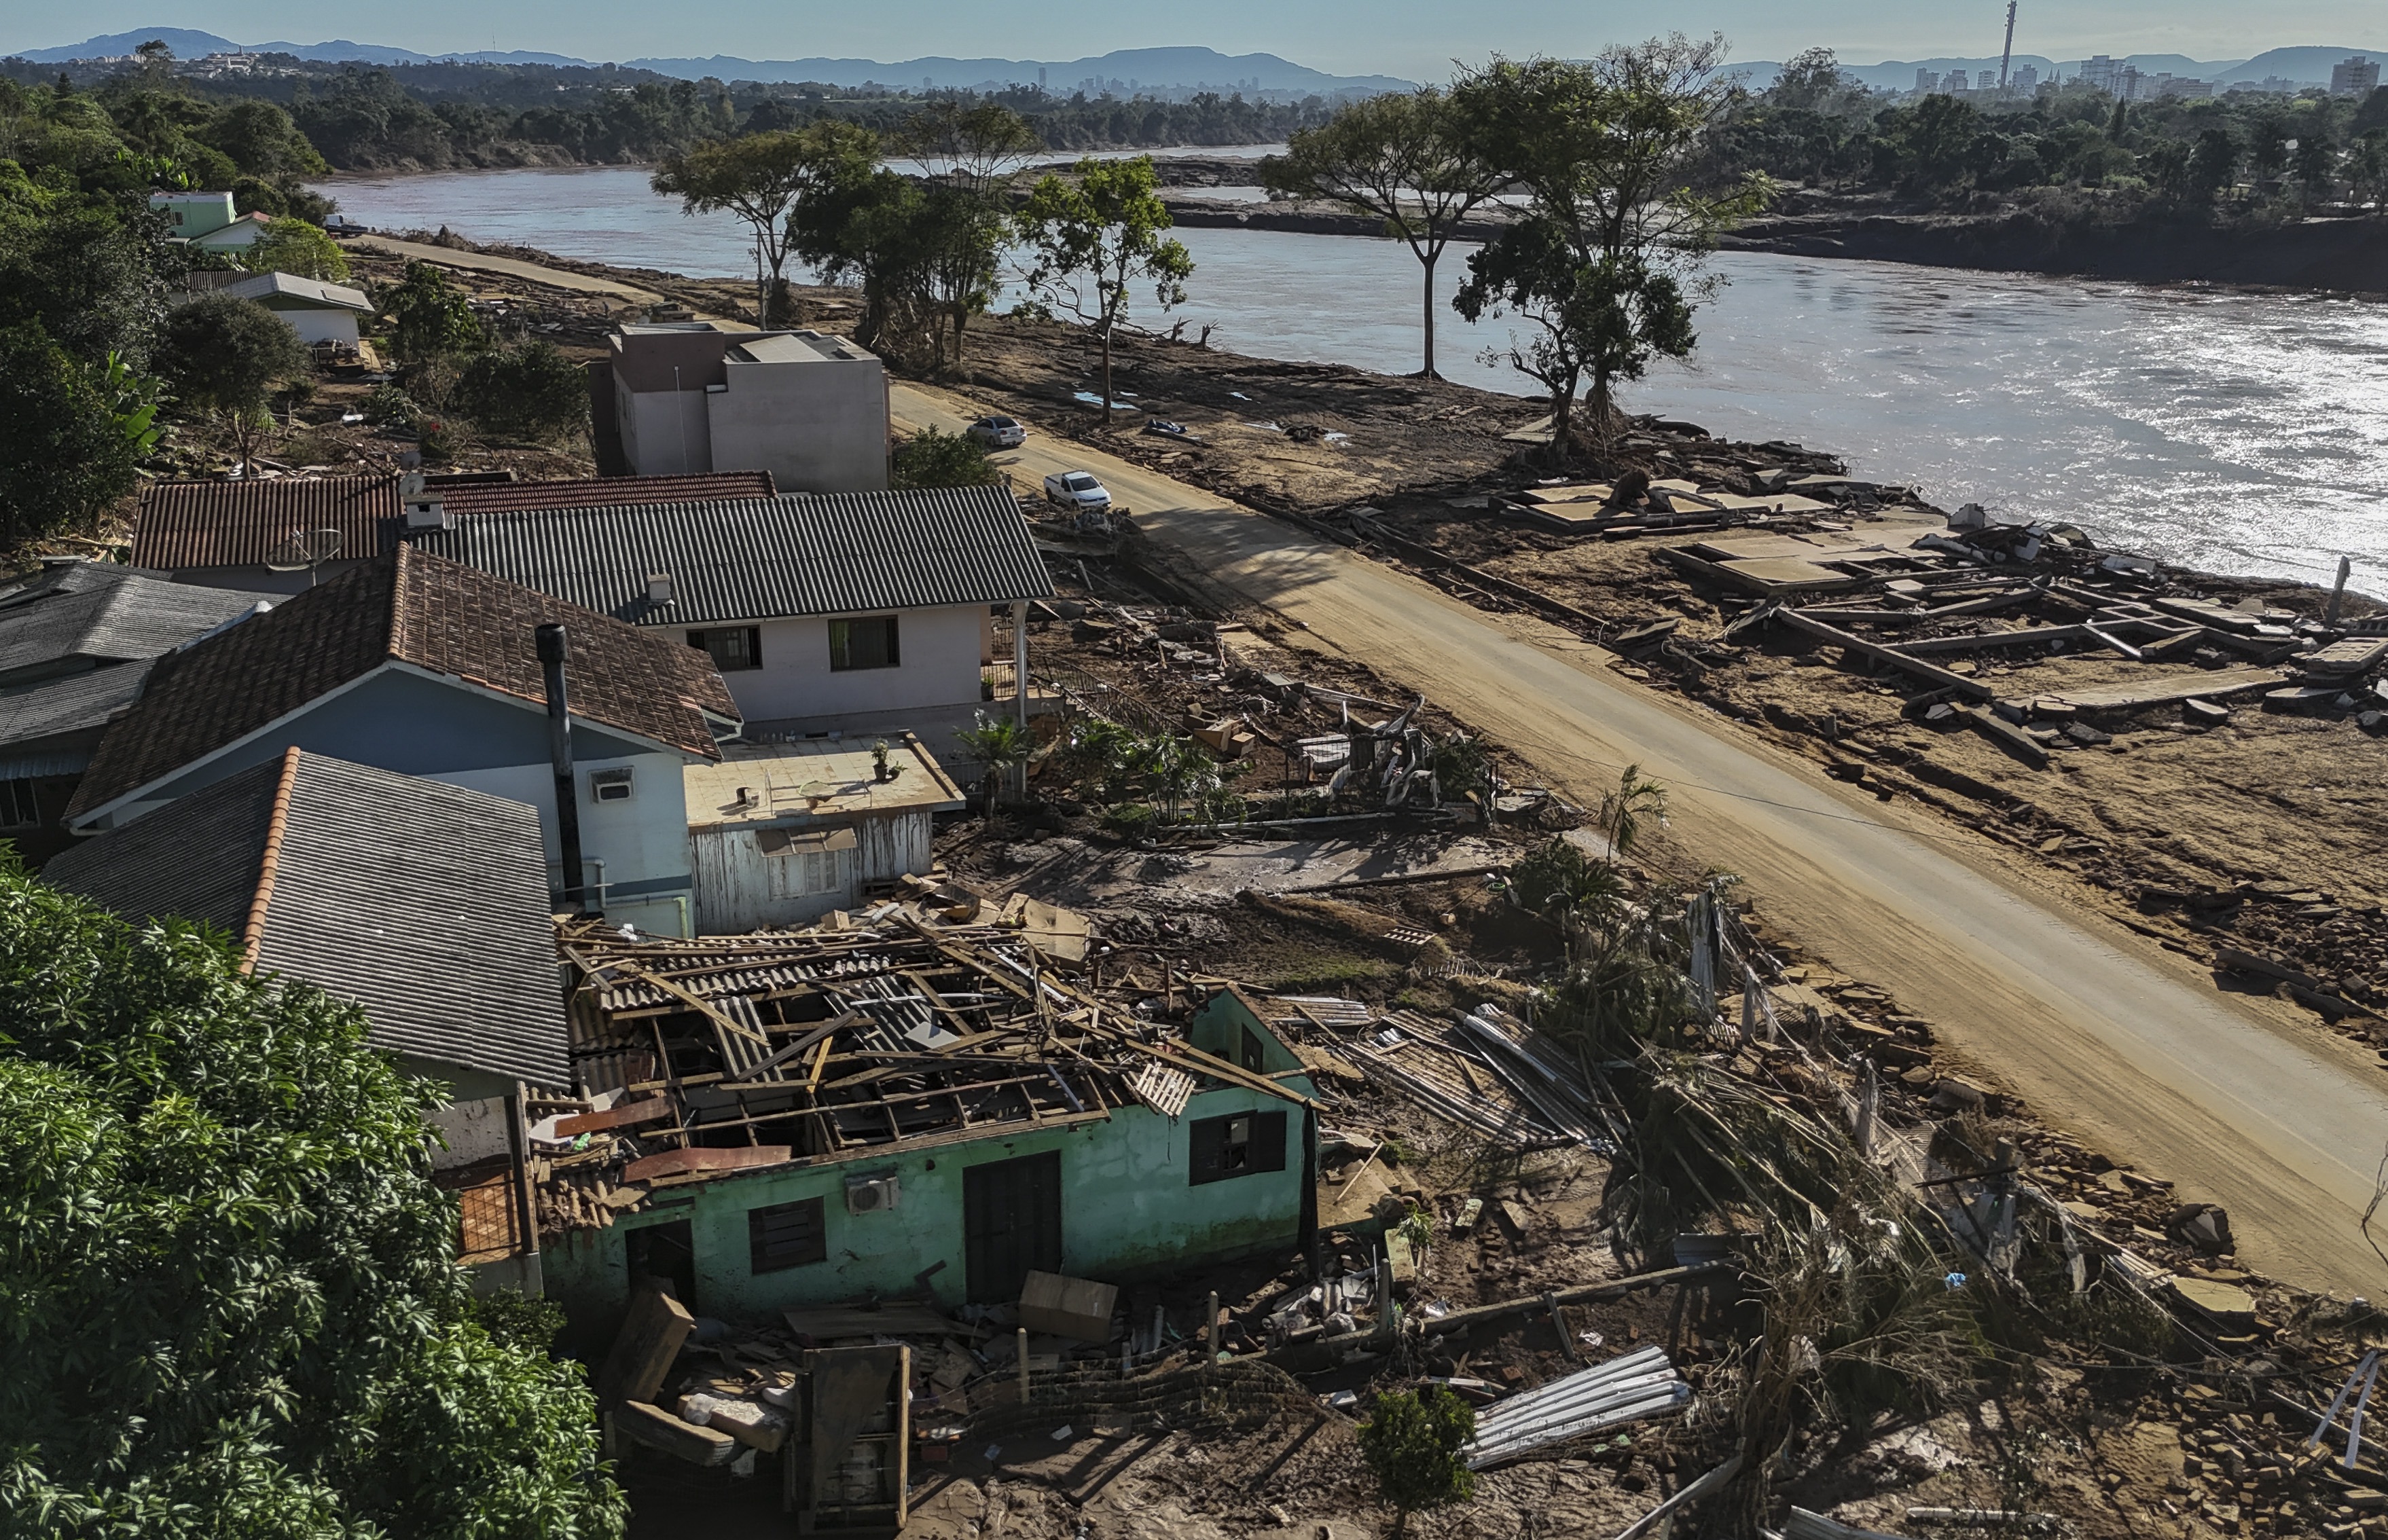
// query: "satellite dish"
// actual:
[[304, 552]]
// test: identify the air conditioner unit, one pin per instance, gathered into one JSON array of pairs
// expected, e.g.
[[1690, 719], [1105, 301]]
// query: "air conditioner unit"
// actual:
[[430, 514], [871, 1194]]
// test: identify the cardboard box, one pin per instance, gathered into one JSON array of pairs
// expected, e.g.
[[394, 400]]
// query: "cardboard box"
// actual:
[[1074, 1308]]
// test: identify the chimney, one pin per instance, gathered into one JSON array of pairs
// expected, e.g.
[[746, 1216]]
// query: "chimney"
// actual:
[[425, 507], [659, 587], [559, 749]]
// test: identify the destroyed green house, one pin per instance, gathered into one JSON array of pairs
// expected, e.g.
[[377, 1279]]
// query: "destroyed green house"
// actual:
[[781, 1121]]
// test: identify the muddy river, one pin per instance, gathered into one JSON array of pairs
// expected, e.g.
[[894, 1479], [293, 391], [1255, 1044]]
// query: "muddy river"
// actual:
[[2234, 431]]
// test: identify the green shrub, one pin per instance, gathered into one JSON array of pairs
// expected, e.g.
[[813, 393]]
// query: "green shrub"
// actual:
[[1412, 1443], [530, 391], [932, 459], [389, 403]]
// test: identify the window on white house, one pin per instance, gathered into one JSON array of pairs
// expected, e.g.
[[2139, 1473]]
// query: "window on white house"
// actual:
[[865, 642], [731, 648], [610, 786]]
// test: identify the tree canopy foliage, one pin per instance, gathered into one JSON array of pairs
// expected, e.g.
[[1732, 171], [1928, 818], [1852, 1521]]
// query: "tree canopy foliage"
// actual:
[[1606, 260], [1411, 1443], [2178, 155], [1095, 237], [225, 356], [1404, 158], [233, 1303], [761, 178]]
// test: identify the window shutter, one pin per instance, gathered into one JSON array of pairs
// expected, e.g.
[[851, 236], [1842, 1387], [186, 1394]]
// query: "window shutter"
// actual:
[[1206, 1145], [1268, 1142]]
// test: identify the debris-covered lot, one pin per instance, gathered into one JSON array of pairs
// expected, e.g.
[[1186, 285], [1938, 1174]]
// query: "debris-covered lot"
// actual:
[[1679, 1213]]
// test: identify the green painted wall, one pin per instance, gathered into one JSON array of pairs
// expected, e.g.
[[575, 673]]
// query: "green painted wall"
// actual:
[[1126, 1209]]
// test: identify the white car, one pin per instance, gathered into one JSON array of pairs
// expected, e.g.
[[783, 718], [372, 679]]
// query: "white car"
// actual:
[[1077, 489], [997, 433]]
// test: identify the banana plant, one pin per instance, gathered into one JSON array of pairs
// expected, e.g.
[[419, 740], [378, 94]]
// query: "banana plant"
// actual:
[[133, 400]]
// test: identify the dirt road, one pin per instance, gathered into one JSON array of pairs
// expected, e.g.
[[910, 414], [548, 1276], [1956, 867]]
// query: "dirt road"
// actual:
[[2117, 1041]]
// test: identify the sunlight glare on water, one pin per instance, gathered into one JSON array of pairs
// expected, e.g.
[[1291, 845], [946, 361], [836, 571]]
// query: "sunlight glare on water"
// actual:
[[2227, 430]]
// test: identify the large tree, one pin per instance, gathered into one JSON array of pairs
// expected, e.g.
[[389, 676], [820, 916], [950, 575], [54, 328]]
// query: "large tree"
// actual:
[[1398, 157], [225, 356], [233, 1303], [71, 433], [1609, 254], [971, 155], [762, 178], [1103, 224]]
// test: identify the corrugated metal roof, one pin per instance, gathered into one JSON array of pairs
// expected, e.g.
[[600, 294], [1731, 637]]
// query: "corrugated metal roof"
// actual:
[[511, 497], [75, 703], [288, 286], [105, 613], [764, 558], [424, 902]]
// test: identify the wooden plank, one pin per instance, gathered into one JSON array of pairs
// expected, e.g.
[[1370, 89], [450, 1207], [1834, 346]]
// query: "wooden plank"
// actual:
[[658, 1429], [698, 1159], [1956, 683], [655, 1109], [2007, 736], [645, 1348]]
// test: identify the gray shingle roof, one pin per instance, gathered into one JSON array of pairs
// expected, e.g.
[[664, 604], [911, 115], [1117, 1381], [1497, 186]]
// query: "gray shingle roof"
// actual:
[[98, 610], [764, 558], [424, 902], [75, 703]]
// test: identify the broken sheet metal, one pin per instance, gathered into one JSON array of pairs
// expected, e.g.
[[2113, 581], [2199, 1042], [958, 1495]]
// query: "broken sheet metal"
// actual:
[[1431, 1064], [1627, 1389]]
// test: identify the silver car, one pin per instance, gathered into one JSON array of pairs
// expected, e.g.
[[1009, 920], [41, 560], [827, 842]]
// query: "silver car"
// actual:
[[997, 433]]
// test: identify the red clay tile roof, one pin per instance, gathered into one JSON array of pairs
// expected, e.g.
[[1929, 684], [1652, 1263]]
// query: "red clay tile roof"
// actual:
[[409, 607], [242, 524], [514, 496]]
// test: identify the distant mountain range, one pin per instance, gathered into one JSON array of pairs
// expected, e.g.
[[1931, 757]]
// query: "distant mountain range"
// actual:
[[1165, 71], [1126, 70]]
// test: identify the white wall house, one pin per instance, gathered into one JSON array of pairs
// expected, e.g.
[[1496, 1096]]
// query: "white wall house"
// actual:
[[692, 396], [856, 614], [316, 310]]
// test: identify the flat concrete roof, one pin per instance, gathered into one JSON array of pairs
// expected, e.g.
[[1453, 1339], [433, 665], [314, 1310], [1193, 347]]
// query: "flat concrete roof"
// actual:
[[799, 347], [815, 780]]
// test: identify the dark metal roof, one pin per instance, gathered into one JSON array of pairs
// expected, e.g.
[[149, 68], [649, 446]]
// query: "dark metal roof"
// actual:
[[241, 524], [424, 902], [76, 613], [70, 704], [410, 607], [764, 558]]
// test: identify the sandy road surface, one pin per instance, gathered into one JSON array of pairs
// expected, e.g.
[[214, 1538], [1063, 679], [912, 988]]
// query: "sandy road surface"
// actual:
[[512, 267], [2113, 1037]]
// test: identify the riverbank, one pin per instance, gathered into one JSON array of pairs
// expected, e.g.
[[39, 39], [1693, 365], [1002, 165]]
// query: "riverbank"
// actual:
[[2206, 835], [2340, 253]]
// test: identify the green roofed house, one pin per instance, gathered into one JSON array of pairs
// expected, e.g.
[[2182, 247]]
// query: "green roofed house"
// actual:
[[915, 1111], [207, 221]]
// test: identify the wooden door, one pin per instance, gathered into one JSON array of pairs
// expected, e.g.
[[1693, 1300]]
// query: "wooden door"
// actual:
[[1012, 1224]]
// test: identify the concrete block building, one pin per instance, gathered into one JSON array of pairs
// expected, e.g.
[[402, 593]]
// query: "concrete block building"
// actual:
[[697, 396]]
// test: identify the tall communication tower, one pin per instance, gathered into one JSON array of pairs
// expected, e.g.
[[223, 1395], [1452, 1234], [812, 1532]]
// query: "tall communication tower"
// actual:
[[2006, 56]]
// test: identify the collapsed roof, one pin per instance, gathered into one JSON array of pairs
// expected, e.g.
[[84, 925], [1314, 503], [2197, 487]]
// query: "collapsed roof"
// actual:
[[734, 1053]]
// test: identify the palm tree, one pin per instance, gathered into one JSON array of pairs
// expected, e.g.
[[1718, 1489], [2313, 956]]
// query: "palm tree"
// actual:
[[1000, 745]]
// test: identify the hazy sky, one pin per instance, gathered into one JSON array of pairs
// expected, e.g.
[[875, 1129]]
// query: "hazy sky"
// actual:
[[1414, 38]]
